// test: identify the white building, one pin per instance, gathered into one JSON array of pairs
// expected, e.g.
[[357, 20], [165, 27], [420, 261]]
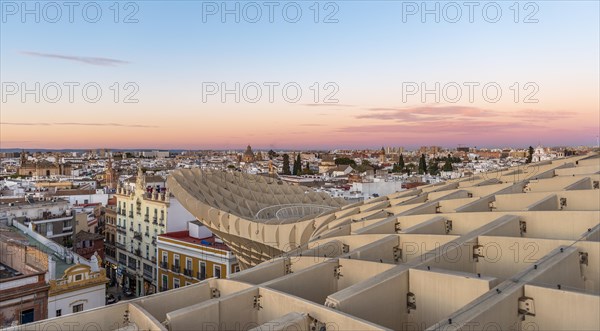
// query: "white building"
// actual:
[[80, 288]]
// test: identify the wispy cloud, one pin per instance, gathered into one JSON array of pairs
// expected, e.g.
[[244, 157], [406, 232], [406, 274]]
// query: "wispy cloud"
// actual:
[[79, 124], [533, 114], [326, 105], [311, 124], [426, 113], [98, 61]]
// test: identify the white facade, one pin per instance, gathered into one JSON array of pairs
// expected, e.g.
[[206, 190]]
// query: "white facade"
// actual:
[[77, 199], [380, 188], [89, 298], [141, 217]]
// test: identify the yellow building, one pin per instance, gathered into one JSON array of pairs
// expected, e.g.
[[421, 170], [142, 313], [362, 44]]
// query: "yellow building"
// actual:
[[187, 257]]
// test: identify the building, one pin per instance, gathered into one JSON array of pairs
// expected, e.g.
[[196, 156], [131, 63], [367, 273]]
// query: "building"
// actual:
[[248, 156], [50, 217], [88, 244], [144, 211], [327, 163], [23, 287], [155, 154], [81, 287], [515, 249], [189, 256], [110, 239], [43, 168]]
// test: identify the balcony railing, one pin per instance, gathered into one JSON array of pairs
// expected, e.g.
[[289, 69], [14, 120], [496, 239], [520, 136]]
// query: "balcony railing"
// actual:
[[154, 219], [119, 245], [164, 265], [146, 218], [146, 234], [148, 274], [200, 276], [176, 268], [138, 252], [188, 272], [130, 214], [137, 236], [164, 288]]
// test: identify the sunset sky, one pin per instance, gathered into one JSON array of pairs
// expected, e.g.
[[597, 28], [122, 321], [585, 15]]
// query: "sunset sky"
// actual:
[[177, 47]]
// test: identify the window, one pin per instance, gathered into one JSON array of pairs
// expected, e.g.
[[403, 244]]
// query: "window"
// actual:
[[164, 257], [202, 272], [59, 312], [176, 259], [217, 271], [78, 308], [165, 282], [27, 316], [188, 263], [175, 282], [78, 277], [236, 268]]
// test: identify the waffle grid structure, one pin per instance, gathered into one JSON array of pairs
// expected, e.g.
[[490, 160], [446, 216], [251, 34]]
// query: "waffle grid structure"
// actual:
[[517, 249]]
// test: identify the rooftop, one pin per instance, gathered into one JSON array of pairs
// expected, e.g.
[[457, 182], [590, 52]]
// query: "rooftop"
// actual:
[[515, 249], [185, 236]]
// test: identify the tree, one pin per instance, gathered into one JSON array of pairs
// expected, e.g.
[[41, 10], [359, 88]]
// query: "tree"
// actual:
[[286, 164], [297, 166], [422, 165], [529, 155], [307, 170], [401, 162], [433, 167], [409, 168], [271, 154], [448, 164], [344, 161]]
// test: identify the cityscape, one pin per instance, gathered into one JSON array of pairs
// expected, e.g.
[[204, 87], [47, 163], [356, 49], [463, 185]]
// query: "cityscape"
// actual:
[[309, 165]]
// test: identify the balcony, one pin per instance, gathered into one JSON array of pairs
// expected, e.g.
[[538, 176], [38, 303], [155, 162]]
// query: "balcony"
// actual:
[[200, 276], [137, 236], [164, 288], [154, 219], [161, 224], [148, 275], [188, 272], [119, 245], [130, 214], [146, 218], [176, 268], [164, 265], [137, 252], [146, 234], [121, 229]]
